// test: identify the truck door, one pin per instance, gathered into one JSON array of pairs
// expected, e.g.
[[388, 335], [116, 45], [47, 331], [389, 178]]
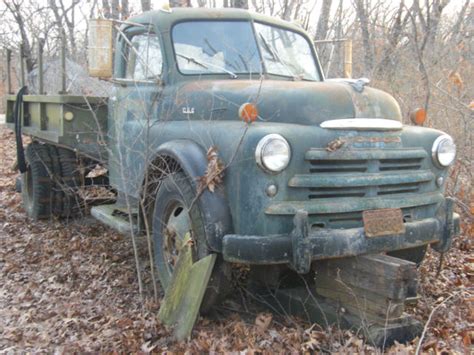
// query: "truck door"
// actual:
[[135, 103]]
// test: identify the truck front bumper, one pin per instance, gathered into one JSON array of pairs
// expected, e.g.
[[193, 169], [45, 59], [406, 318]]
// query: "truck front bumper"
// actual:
[[302, 245]]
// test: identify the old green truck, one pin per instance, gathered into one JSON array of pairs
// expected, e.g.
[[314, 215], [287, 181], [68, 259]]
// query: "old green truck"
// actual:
[[221, 123]]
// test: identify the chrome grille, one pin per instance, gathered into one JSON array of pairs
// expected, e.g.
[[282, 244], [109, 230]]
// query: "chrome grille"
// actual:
[[363, 173]]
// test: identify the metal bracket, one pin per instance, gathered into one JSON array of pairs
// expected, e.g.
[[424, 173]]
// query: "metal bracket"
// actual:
[[301, 253], [447, 238]]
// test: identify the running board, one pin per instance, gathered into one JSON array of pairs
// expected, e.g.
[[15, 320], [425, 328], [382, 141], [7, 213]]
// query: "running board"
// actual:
[[117, 217]]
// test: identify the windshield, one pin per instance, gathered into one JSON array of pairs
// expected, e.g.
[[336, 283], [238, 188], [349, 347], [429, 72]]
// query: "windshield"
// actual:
[[230, 47], [206, 47], [286, 53]]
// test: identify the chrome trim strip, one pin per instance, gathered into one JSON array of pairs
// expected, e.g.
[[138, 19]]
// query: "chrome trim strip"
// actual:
[[362, 124]]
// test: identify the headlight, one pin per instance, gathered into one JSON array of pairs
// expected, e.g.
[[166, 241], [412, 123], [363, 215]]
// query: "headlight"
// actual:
[[443, 151], [273, 153]]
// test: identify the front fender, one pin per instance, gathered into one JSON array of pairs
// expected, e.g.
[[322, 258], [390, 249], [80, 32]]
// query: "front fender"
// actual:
[[215, 211]]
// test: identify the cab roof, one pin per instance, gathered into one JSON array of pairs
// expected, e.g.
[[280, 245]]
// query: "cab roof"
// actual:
[[165, 20]]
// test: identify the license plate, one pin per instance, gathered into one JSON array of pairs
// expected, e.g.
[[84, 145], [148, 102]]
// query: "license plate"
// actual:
[[387, 221]]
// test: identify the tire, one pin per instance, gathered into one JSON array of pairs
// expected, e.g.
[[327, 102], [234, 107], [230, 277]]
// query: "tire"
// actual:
[[415, 255], [37, 183], [171, 220], [69, 180], [50, 183], [18, 184]]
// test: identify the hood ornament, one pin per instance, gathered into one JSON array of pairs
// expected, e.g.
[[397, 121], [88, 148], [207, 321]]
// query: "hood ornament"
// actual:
[[357, 84]]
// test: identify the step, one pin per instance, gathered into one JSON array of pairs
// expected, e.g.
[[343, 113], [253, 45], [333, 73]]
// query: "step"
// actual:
[[116, 217]]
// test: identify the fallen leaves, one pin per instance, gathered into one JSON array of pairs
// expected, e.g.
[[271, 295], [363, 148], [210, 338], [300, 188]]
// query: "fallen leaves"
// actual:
[[97, 171], [214, 172], [263, 321]]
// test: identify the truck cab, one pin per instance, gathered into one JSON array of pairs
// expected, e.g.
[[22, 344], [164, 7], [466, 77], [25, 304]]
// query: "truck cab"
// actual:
[[221, 123]]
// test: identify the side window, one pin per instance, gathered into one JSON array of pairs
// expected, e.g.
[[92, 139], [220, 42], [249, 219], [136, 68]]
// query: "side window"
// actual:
[[145, 61]]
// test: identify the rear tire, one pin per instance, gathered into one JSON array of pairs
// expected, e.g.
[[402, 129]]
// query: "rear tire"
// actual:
[[37, 183], [49, 186], [69, 180], [172, 219]]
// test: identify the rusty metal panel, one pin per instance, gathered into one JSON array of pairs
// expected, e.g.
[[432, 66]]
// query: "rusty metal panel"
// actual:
[[100, 54], [388, 221]]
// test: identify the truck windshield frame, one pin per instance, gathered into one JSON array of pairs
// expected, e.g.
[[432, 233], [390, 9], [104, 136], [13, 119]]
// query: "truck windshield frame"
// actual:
[[195, 55]]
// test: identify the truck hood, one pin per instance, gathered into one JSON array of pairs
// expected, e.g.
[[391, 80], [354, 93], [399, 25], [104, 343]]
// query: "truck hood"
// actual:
[[301, 102]]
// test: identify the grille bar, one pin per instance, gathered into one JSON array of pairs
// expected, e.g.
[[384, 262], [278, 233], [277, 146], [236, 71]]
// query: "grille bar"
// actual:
[[360, 179], [342, 204], [369, 154]]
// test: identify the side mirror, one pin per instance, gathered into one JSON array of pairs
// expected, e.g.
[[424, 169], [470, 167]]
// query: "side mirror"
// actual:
[[100, 54]]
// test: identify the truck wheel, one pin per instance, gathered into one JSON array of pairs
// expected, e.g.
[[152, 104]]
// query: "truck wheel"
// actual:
[[415, 255], [69, 180], [172, 219], [37, 183]]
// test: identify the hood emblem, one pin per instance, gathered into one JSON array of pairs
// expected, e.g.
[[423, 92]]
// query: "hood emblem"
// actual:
[[335, 144]]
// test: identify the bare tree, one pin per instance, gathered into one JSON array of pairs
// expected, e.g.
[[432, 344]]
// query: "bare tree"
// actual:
[[361, 10], [64, 16], [241, 4], [287, 10], [323, 21], [115, 9], [393, 34], [146, 5], [180, 3], [429, 19], [125, 9], [106, 9], [14, 7]]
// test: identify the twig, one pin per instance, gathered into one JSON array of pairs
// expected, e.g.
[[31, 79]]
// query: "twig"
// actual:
[[425, 329]]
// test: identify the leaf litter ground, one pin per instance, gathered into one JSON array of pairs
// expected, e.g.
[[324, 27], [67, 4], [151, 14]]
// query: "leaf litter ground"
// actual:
[[70, 286]]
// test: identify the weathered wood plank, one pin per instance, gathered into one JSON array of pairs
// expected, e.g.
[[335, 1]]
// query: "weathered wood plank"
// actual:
[[359, 304], [395, 289], [380, 274], [379, 332], [374, 264], [180, 306]]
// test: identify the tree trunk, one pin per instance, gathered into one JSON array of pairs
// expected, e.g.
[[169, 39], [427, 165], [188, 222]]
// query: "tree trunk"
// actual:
[[288, 9], [14, 8], [115, 9], [146, 5], [323, 21], [434, 19], [364, 26], [180, 3], [125, 11], [240, 4], [106, 8]]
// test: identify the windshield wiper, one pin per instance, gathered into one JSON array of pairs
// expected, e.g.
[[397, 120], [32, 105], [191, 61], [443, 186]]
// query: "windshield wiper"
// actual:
[[269, 49], [206, 65], [192, 60], [276, 58]]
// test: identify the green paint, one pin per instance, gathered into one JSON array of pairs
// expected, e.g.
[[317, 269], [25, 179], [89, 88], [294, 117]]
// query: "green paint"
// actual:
[[180, 306]]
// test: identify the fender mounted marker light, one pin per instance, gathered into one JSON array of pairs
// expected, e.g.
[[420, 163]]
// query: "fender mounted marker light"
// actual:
[[248, 112], [418, 116]]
